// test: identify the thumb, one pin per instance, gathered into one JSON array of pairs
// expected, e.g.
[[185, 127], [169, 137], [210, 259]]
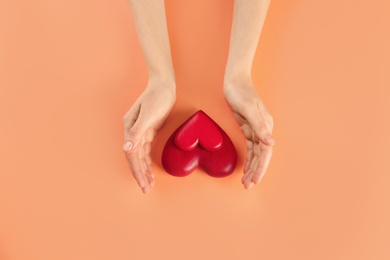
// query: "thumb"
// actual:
[[134, 135], [261, 130], [264, 134]]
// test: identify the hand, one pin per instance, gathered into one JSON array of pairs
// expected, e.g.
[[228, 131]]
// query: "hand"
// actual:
[[141, 124], [256, 123]]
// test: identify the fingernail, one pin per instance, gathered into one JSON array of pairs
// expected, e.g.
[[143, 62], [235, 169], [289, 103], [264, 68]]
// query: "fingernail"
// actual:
[[269, 139], [127, 146]]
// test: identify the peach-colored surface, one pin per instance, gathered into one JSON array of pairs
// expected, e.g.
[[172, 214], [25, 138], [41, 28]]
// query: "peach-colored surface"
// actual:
[[69, 70]]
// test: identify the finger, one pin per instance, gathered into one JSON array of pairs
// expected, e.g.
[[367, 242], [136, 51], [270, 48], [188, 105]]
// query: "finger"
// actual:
[[135, 133], [251, 164], [148, 159], [249, 176], [264, 134], [248, 181], [146, 177], [263, 162], [149, 178], [252, 167], [135, 167], [258, 125], [131, 116], [249, 155], [143, 168], [244, 177]]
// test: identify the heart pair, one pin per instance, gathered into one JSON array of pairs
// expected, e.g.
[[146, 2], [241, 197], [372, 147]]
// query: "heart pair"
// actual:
[[199, 142]]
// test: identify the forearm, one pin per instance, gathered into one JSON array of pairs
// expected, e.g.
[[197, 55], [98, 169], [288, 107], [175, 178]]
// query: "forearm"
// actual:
[[151, 26], [247, 24]]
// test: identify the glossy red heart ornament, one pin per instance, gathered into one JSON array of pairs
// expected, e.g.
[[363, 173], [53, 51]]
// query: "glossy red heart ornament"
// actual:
[[199, 142], [198, 129]]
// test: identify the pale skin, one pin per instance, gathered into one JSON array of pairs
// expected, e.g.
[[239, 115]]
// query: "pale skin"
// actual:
[[148, 113]]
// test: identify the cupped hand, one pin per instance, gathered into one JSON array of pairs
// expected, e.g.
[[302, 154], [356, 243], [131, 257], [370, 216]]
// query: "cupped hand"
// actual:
[[141, 124], [256, 123]]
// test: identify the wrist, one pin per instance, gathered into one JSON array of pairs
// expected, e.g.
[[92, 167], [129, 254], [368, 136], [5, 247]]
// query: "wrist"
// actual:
[[164, 73], [237, 80], [162, 81], [167, 85], [237, 75], [237, 69]]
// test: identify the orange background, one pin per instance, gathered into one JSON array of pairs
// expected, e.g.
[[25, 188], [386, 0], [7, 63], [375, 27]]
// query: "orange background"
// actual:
[[69, 71]]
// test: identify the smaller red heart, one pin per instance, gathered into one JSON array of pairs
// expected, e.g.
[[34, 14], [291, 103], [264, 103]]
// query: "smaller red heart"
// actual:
[[199, 129]]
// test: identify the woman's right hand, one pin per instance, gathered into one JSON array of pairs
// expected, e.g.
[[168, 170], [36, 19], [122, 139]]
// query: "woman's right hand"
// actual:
[[141, 124]]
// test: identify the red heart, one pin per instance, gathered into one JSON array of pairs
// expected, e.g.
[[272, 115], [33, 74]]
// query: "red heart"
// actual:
[[198, 129], [218, 162]]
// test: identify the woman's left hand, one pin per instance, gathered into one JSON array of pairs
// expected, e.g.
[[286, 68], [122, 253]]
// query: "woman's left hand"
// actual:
[[256, 123]]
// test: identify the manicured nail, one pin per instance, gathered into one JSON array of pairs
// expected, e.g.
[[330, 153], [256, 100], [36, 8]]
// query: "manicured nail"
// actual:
[[127, 146]]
